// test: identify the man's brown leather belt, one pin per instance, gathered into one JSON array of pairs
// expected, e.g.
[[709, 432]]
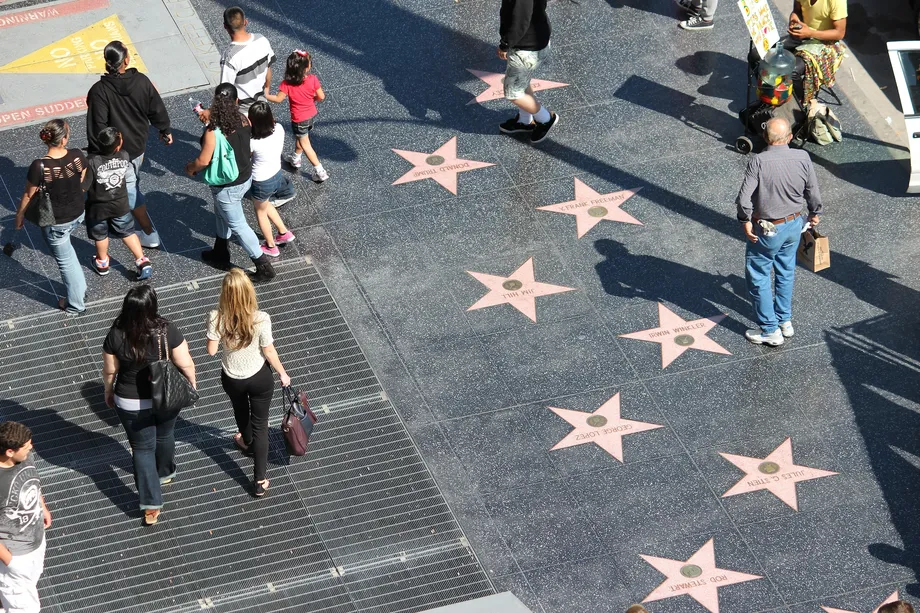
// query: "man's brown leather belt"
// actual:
[[782, 220]]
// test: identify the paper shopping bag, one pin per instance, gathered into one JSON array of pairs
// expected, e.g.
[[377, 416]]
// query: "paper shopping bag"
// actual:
[[814, 251]]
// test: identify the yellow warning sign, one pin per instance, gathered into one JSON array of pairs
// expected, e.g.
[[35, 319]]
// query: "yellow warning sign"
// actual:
[[79, 53]]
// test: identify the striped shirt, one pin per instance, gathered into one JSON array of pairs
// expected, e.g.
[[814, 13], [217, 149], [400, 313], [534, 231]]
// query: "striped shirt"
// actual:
[[245, 65], [777, 183]]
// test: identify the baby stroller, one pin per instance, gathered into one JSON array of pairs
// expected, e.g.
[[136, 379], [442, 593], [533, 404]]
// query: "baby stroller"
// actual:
[[756, 113]]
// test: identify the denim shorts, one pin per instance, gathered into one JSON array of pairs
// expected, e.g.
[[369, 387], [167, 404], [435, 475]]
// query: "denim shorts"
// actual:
[[115, 227], [301, 128], [279, 186], [521, 66]]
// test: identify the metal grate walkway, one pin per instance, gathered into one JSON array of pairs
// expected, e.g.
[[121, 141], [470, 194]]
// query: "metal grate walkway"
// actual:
[[356, 525]]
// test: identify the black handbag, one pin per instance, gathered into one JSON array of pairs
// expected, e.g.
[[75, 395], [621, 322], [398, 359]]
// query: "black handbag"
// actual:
[[171, 391], [39, 210], [297, 424]]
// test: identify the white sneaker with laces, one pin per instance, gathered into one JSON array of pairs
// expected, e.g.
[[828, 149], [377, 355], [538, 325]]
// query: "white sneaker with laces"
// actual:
[[293, 160], [320, 175], [774, 339], [787, 329], [149, 241]]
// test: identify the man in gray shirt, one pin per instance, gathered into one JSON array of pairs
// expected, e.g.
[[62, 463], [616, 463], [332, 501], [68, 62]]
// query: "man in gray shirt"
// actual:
[[778, 184], [23, 519]]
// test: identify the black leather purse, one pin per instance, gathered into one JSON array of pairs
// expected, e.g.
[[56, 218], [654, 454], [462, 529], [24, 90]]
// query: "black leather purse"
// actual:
[[171, 391], [39, 210]]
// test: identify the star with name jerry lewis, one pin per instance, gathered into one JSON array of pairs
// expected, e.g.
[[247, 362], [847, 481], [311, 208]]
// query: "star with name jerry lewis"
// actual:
[[604, 427], [777, 473], [520, 290], [676, 335], [496, 80], [698, 577], [590, 207], [441, 166], [893, 598]]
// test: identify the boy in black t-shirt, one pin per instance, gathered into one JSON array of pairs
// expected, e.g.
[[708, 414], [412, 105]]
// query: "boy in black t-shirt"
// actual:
[[107, 210]]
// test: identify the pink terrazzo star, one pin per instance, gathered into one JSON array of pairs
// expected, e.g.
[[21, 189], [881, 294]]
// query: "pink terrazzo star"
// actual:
[[589, 207], [893, 598], [442, 166], [520, 290], [776, 473], [676, 335], [698, 577], [496, 91], [604, 427]]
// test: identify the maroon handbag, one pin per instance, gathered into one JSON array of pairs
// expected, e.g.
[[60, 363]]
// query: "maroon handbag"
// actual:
[[298, 422]]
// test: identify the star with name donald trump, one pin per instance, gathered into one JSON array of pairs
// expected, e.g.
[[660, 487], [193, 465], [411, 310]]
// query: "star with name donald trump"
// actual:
[[441, 166]]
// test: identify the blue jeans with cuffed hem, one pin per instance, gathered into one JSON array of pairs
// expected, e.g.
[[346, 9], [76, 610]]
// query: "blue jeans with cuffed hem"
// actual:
[[777, 254], [153, 447], [230, 219], [58, 240]]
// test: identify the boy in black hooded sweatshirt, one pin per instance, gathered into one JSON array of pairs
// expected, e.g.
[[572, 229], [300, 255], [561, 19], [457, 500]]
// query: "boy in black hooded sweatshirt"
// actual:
[[107, 211], [126, 100]]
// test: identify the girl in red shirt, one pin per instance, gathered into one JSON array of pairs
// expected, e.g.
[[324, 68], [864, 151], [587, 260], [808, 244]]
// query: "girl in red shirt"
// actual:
[[304, 91]]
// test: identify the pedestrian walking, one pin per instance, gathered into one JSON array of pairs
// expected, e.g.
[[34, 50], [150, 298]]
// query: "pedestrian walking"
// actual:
[[62, 171], [126, 100], [227, 127], [700, 14], [304, 90], [247, 62], [525, 31], [248, 348], [139, 336], [107, 210], [270, 187], [24, 517], [778, 184]]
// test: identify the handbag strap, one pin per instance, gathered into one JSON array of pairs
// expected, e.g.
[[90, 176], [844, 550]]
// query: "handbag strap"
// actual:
[[160, 342]]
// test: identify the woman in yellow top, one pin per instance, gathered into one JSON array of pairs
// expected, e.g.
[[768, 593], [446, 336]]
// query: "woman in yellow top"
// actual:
[[816, 31]]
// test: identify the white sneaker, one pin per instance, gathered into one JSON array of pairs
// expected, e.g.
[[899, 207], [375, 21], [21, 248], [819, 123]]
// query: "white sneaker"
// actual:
[[276, 202], [320, 175], [774, 339], [787, 329], [293, 160], [149, 241]]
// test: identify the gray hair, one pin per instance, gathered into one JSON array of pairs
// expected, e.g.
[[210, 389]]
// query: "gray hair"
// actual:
[[778, 131]]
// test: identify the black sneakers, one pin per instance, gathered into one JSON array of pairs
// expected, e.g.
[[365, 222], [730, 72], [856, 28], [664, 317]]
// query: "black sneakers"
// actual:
[[541, 130], [695, 22], [513, 126]]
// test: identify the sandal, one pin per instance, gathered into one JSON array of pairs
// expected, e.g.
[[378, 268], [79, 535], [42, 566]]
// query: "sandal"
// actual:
[[261, 488], [238, 441], [151, 516]]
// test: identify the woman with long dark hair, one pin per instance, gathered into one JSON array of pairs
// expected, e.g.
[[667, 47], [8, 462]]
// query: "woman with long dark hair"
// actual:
[[249, 348], [138, 337], [225, 121], [62, 171], [125, 99]]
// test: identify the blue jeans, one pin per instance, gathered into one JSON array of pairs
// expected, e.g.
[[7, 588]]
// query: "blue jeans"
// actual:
[[278, 186], [133, 181], [776, 253], [230, 220], [58, 241], [153, 447]]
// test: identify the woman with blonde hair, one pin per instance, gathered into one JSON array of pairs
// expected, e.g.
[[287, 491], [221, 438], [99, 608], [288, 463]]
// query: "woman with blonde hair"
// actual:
[[248, 349]]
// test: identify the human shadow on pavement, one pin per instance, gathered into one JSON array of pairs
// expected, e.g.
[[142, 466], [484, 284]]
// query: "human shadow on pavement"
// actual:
[[627, 275], [727, 76], [878, 363], [68, 445]]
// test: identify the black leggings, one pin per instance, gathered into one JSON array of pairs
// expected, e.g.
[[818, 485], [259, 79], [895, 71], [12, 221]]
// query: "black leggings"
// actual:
[[798, 72], [251, 399]]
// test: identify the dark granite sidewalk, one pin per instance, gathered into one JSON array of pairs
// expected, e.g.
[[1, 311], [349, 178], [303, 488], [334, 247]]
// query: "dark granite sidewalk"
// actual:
[[646, 107]]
